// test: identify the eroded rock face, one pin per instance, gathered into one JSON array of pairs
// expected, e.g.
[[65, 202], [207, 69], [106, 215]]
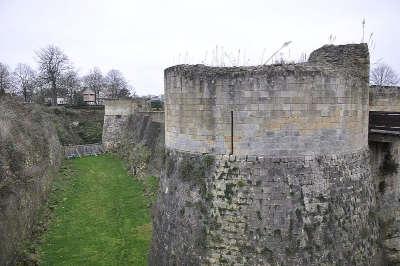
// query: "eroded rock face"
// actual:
[[30, 154]]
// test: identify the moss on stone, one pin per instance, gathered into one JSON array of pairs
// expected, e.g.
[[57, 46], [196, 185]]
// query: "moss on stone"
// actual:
[[194, 169], [259, 215], [241, 183], [229, 191], [389, 165], [209, 160]]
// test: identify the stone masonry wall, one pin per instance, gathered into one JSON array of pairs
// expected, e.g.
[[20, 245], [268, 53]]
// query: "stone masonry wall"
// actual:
[[124, 107], [116, 118], [384, 98], [75, 151], [116, 113], [135, 133], [142, 144], [385, 159], [112, 131], [277, 109], [296, 189], [253, 210]]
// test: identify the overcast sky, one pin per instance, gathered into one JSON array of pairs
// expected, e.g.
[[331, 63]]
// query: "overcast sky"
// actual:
[[141, 38]]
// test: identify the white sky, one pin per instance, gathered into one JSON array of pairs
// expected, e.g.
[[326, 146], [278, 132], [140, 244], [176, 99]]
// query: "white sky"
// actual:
[[141, 38]]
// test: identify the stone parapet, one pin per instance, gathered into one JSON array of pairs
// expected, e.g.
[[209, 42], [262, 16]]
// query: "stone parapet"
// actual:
[[384, 98], [318, 107]]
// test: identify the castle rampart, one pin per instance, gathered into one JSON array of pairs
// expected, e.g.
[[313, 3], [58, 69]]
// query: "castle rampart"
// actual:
[[116, 116], [268, 165], [318, 107], [384, 98]]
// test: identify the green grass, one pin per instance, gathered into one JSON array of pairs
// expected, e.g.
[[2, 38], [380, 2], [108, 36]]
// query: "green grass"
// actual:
[[101, 215]]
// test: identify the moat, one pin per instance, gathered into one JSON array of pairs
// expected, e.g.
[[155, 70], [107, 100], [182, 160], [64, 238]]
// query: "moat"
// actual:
[[100, 215]]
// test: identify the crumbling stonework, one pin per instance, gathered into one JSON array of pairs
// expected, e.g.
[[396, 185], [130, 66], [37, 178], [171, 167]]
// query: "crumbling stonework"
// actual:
[[30, 155], [179, 223], [136, 133], [385, 160], [384, 98], [116, 117], [112, 131], [142, 144], [296, 188], [276, 109], [258, 210]]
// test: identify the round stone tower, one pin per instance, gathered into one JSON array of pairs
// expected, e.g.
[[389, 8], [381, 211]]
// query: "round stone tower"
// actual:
[[268, 165]]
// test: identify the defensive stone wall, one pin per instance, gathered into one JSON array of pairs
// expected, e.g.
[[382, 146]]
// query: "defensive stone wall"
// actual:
[[384, 98], [112, 133], [136, 133], [268, 165], [116, 116], [385, 159], [317, 107], [124, 106]]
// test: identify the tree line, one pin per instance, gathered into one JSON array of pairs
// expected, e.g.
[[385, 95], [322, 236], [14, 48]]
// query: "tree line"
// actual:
[[56, 77]]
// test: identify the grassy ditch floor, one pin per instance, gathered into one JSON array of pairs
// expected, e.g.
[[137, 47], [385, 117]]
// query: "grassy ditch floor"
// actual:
[[101, 215]]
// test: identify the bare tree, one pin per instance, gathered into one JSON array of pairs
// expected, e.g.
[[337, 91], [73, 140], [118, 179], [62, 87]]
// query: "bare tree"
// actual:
[[40, 92], [384, 75], [5, 79], [116, 84], [131, 91], [69, 84], [53, 63], [95, 81], [25, 78]]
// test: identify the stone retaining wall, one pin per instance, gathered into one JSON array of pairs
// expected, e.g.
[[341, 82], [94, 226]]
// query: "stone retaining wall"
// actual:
[[116, 119], [82, 150], [260, 210], [385, 160]]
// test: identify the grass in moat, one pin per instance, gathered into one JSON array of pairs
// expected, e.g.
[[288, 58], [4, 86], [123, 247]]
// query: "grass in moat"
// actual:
[[101, 215]]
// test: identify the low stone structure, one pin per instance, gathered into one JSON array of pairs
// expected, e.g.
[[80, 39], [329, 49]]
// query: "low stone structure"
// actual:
[[76, 151]]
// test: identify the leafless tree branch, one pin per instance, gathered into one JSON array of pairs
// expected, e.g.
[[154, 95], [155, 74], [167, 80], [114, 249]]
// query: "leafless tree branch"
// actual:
[[53, 63], [383, 75]]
